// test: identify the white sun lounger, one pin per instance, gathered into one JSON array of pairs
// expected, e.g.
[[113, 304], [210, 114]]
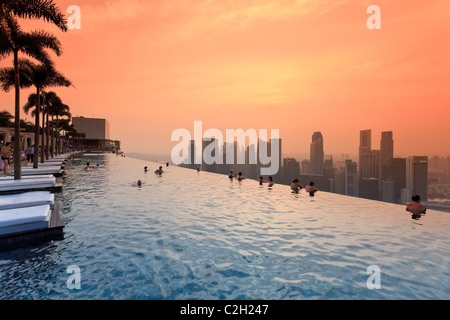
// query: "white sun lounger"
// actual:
[[40, 171], [24, 219], [25, 184], [27, 177], [28, 199]]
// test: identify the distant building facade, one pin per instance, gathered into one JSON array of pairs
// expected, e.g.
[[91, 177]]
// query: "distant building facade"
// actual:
[[97, 133]]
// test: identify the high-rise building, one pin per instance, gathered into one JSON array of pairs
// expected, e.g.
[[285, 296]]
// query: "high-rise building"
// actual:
[[351, 178], [369, 188], [417, 175], [291, 170], [369, 165], [394, 170], [386, 147], [388, 191], [317, 155], [339, 180], [306, 167], [328, 172]]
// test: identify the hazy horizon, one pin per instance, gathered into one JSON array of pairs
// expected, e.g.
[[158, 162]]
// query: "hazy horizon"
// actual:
[[300, 66]]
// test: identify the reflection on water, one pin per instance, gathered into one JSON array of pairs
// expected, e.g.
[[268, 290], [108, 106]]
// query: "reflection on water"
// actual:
[[195, 235]]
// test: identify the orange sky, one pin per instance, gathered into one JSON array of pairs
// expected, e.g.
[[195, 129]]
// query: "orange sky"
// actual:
[[300, 66]]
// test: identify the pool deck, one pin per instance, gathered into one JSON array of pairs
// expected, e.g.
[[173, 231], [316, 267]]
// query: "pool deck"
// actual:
[[26, 238], [56, 223]]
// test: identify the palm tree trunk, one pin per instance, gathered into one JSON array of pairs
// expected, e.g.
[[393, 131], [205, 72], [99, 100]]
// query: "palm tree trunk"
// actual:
[[47, 136], [43, 132], [53, 138], [57, 135], [36, 130], [17, 151]]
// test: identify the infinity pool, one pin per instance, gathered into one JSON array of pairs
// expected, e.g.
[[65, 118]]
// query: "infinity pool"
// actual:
[[189, 235]]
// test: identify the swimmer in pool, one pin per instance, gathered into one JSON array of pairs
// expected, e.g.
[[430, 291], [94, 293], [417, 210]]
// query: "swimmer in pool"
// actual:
[[89, 167], [270, 182], [145, 169], [296, 186], [231, 175], [311, 189], [261, 181], [241, 177], [415, 207], [159, 171], [139, 183]]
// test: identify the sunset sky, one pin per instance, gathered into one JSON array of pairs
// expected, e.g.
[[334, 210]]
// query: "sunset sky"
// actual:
[[300, 66]]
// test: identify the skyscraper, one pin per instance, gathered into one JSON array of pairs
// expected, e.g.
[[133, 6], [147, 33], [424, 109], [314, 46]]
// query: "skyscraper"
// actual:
[[417, 176], [369, 164], [394, 170], [351, 178], [386, 147], [365, 147], [317, 156]]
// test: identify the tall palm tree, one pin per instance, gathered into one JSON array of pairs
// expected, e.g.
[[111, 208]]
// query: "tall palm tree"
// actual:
[[32, 44], [41, 77], [56, 109], [13, 40]]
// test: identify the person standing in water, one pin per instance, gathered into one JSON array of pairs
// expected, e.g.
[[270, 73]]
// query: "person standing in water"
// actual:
[[296, 186], [311, 189], [415, 206], [270, 182], [261, 181], [240, 177], [160, 170]]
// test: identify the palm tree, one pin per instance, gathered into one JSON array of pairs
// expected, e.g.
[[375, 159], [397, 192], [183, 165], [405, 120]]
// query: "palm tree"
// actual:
[[57, 109], [32, 44], [41, 77], [13, 40], [38, 9], [5, 119]]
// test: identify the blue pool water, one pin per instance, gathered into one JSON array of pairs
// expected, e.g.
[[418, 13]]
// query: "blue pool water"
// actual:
[[189, 235]]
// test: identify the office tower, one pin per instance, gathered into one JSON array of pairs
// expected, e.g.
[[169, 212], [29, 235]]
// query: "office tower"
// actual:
[[339, 180], [369, 165], [351, 178], [316, 154], [388, 191], [394, 170], [291, 170], [369, 188], [328, 172], [417, 176], [306, 167], [386, 147], [365, 143]]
